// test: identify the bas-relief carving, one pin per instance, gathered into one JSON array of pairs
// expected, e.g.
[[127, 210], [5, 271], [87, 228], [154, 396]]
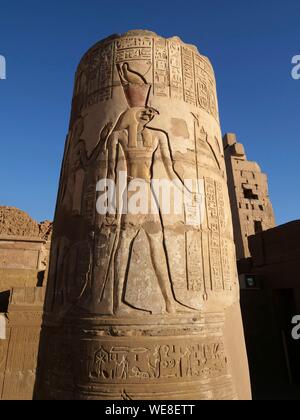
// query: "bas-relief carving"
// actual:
[[162, 361], [139, 143], [143, 292], [102, 279], [173, 70], [148, 267], [125, 364], [80, 171]]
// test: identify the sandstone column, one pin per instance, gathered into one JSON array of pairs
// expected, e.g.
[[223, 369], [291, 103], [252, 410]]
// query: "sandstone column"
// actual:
[[146, 305]]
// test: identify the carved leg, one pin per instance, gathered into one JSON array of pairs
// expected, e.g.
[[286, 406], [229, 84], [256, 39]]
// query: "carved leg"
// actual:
[[159, 261], [122, 261]]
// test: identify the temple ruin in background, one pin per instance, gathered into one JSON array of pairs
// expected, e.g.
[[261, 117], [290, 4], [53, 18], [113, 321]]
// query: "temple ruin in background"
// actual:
[[268, 266], [24, 253], [252, 210]]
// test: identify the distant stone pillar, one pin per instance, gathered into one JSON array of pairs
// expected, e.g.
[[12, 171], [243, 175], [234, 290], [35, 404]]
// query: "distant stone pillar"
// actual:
[[251, 207], [144, 303]]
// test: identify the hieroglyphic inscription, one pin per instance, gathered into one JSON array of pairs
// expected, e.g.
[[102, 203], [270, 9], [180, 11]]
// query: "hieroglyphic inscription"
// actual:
[[161, 68], [133, 48], [201, 83], [225, 244], [133, 42], [205, 86], [95, 77], [176, 83], [188, 76], [226, 267], [89, 203], [106, 72], [178, 72], [167, 361], [195, 277], [221, 207], [214, 236], [193, 210]]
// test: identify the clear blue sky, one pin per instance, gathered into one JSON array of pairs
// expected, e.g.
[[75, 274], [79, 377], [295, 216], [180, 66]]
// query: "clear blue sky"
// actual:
[[251, 44]]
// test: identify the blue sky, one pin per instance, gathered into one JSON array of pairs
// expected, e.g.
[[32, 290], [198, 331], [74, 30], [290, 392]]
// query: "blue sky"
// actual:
[[251, 45]]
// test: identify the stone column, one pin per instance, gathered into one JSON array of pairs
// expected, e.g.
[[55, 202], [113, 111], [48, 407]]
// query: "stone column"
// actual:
[[143, 302]]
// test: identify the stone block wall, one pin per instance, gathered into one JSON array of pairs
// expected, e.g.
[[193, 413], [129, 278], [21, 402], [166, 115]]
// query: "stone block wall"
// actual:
[[24, 253], [19, 350]]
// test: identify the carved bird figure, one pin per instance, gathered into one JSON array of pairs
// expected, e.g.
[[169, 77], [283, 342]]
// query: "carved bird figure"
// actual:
[[130, 76]]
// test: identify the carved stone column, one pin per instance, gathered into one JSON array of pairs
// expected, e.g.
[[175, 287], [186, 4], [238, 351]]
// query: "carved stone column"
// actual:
[[143, 304]]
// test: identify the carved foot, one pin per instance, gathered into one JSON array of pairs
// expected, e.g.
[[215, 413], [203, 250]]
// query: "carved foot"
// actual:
[[123, 310], [175, 308]]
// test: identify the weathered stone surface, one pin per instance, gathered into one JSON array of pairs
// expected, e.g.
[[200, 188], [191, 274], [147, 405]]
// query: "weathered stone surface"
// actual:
[[23, 267], [45, 230], [17, 278], [19, 351], [20, 253], [15, 222], [24, 249], [251, 207], [143, 306], [23, 261]]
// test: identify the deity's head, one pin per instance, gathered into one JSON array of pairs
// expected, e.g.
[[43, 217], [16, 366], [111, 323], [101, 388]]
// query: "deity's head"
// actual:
[[146, 115]]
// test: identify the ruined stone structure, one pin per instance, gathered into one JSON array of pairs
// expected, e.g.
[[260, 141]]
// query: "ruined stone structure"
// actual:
[[268, 266], [252, 211], [19, 347], [143, 306], [270, 298], [24, 251]]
